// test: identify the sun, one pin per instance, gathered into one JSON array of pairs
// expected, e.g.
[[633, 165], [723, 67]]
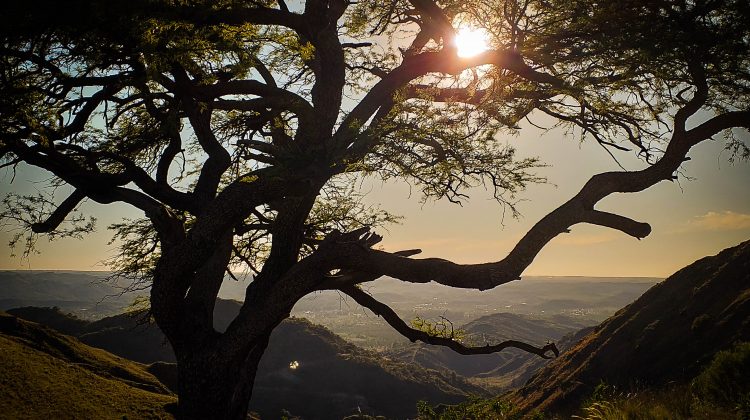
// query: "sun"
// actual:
[[470, 42]]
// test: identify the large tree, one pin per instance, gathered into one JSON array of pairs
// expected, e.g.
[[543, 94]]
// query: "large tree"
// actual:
[[240, 129]]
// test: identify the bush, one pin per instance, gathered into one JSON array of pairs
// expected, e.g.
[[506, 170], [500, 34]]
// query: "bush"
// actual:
[[726, 381]]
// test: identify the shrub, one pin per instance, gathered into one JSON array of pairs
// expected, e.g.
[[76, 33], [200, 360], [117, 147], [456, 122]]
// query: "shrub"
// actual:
[[726, 381]]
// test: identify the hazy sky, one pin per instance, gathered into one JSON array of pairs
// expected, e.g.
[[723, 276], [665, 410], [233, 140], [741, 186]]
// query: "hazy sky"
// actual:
[[690, 219]]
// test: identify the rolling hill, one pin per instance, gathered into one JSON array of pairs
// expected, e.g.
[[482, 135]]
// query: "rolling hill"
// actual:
[[668, 335], [44, 374], [331, 378]]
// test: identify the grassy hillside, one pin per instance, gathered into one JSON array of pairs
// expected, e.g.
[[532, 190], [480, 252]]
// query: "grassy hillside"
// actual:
[[667, 335], [46, 375], [721, 391], [333, 378]]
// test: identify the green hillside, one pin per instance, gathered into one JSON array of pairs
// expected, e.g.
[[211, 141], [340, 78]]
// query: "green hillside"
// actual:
[[668, 335], [46, 375]]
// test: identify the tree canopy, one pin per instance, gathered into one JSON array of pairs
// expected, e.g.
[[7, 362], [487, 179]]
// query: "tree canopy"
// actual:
[[240, 128]]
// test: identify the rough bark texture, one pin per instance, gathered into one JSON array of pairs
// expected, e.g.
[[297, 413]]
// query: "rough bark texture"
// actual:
[[213, 386]]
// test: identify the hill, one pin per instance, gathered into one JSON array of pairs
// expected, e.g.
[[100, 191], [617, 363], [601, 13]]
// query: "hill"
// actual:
[[44, 374], [668, 335], [307, 370], [311, 372]]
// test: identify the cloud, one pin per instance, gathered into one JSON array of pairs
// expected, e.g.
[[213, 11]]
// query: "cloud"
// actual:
[[721, 221]]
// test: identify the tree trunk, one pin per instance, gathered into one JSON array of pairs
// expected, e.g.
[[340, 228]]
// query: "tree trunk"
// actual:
[[215, 386]]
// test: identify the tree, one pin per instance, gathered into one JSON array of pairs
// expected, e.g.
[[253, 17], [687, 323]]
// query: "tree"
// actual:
[[239, 128]]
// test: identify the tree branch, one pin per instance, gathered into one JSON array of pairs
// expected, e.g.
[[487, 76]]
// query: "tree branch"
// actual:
[[717, 124], [578, 209], [445, 62], [635, 229], [59, 214], [392, 318]]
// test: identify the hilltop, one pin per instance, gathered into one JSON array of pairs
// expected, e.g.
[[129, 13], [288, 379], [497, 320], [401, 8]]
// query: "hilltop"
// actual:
[[44, 374]]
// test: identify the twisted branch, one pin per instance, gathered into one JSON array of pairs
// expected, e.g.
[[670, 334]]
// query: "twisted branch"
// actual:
[[412, 334]]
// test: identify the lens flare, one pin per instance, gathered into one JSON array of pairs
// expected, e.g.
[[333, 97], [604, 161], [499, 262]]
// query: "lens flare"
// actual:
[[470, 42]]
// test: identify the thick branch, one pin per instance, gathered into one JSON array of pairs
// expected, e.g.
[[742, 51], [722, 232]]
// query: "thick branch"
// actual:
[[578, 209], [698, 75], [200, 119], [633, 228], [435, 20], [59, 214], [719, 123], [445, 62], [161, 191], [208, 15], [412, 334]]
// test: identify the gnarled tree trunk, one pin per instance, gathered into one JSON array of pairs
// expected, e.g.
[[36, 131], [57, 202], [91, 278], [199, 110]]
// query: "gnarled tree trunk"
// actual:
[[215, 386]]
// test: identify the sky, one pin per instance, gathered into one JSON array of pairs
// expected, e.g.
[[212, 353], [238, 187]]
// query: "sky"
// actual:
[[690, 219], [699, 215]]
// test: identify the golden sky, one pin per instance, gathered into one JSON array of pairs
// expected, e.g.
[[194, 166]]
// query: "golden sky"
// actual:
[[690, 219]]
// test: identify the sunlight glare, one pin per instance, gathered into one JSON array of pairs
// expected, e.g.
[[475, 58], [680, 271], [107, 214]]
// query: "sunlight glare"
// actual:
[[470, 42]]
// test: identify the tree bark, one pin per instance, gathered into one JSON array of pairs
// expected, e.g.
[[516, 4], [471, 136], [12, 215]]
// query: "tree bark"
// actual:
[[215, 386]]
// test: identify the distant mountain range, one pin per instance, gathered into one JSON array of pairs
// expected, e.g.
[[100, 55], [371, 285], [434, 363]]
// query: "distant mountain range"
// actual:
[[389, 382], [666, 336], [88, 294], [93, 295]]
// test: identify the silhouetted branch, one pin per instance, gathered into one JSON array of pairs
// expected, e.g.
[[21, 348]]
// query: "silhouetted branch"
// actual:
[[59, 214], [633, 228], [412, 334]]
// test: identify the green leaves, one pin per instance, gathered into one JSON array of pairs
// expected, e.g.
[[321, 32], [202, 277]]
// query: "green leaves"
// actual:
[[442, 328], [20, 213]]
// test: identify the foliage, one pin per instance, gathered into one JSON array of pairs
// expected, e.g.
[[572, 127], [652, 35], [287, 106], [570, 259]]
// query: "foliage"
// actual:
[[726, 381], [721, 391], [443, 327], [474, 409]]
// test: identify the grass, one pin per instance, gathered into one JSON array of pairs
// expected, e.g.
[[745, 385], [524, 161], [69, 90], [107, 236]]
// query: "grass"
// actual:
[[57, 377], [673, 403], [721, 391], [474, 409]]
